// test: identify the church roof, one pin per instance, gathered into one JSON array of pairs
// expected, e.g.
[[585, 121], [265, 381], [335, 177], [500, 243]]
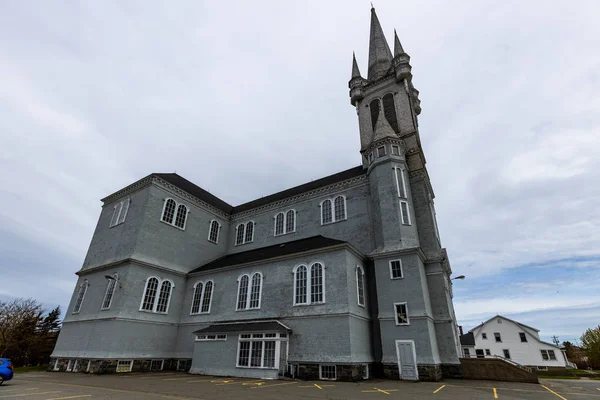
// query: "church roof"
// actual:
[[265, 253], [196, 191]]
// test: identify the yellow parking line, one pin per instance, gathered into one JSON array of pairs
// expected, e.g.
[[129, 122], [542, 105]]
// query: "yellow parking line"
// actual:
[[70, 397], [15, 390], [199, 380], [495, 393], [438, 389], [31, 394], [318, 386], [553, 392], [277, 384]]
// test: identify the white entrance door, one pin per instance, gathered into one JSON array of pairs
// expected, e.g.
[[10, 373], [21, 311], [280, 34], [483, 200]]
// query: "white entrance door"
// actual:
[[407, 365]]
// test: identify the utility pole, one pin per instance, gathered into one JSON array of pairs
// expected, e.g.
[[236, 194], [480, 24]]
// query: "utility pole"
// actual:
[[555, 340]]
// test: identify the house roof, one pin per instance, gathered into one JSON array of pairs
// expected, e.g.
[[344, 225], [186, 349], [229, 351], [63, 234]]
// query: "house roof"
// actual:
[[249, 326], [508, 319], [265, 253], [468, 339]]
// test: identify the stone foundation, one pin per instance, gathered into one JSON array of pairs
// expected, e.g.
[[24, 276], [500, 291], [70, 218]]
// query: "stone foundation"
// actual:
[[110, 366], [344, 372], [452, 371], [431, 373]]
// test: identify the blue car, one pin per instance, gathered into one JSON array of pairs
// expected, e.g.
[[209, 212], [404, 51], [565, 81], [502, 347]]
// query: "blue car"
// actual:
[[6, 370]]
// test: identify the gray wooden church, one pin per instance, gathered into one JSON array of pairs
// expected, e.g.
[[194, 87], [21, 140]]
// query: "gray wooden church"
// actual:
[[341, 278]]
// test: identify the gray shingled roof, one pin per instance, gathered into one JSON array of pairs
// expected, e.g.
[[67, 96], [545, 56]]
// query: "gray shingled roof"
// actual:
[[258, 326]]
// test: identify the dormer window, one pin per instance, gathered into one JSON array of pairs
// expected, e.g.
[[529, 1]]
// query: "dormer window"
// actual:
[[174, 214], [381, 151], [119, 212]]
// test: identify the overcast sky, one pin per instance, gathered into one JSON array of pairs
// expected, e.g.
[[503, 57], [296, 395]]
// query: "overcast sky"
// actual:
[[246, 98]]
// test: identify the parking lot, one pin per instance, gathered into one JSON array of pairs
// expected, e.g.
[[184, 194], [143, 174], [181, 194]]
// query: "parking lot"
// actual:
[[171, 385]]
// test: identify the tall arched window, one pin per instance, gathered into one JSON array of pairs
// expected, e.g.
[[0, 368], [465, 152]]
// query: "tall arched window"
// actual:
[[360, 285], [300, 285], [255, 290], [279, 223], [239, 234], [249, 232], [110, 290], [181, 216], [80, 296], [326, 216], [157, 295], [119, 212], [333, 210], [202, 297], [164, 297], [340, 208], [242, 292], [213, 232], [244, 233], [150, 294], [290, 221], [316, 283], [169, 211], [285, 222], [389, 110], [207, 297], [197, 299]]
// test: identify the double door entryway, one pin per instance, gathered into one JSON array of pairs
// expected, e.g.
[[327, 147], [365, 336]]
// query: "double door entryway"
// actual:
[[407, 359]]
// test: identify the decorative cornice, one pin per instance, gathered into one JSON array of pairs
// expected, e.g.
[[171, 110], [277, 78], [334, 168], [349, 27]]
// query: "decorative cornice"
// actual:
[[88, 271], [128, 189], [389, 76], [387, 140]]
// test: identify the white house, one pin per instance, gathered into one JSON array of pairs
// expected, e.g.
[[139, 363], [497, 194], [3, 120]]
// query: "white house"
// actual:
[[502, 337]]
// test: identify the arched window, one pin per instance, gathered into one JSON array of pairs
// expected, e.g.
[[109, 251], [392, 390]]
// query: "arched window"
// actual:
[[316, 283], [326, 216], [196, 301], [207, 297], [290, 221], [213, 232], [239, 235], [164, 297], [249, 232], [169, 211], [181, 216], [360, 285], [80, 295], [300, 285], [242, 292], [255, 290], [389, 110], [150, 294], [279, 223], [340, 208], [119, 212], [110, 290], [374, 107]]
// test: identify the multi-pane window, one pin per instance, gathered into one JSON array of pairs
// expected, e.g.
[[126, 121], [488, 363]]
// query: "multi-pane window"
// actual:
[[202, 297], [405, 213], [157, 294], [269, 357], [309, 284], [249, 292], [506, 354], [257, 351], [157, 365], [256, 354], [401, 313], [110, 290], [244, 233], [466, 353], [124, 365], [285, 222], [80, 295], [400, 182], [396, 269], [244, 354], [548, 355], [497, 336], [333, 210], [327, 372], [522, 337], [488, 352], [174, 214], [201, 338], [213, 232], [360, 285], [119, 212]]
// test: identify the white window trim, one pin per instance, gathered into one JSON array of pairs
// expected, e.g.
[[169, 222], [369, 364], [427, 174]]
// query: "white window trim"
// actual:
[[396, 314], [360, 269], [542, 368], [250, 276], [244, 226], [407, 213], [332, 199], [285, 231], [202, 294], [397, 147], [398, 183], [124, 361], [295, 272], [321, 372], [401, 270], [277, 339], [162, 365], [210, 230], [56, 366], [155, 304], [204, 338], [84, 284], [177, 204], [69, 365], [308, 284], [120, 215], [116, 280], [500, 336]]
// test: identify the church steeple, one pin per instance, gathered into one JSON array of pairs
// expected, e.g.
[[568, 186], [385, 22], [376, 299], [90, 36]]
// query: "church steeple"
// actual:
[[355, 70], [380, 56], [397, 45]]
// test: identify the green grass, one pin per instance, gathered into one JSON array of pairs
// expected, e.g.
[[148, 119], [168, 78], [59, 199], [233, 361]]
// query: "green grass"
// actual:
[[20, 370]]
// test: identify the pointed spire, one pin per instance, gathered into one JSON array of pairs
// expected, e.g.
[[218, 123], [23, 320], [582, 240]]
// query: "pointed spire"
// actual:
[[383, 128], [397, 46], [355, 70], [380, 56]]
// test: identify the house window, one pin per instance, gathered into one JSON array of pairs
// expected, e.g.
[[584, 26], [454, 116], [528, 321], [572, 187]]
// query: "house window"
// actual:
[[244, 233], [316, 283], [381, 151], [327, 372], [155, 299], [404, 212], [548, 355], [484, 336], [506, 354], [542, 368], [253, 353], [203, 338], [285, 222], [466, 353], [360, 285], [335, 214], [119, 212], [309, 284], [174, 214], [488, 352], [401, 314], [497, 337], [124, 365], [523, 337], [249, 236], [213, 232], [395, 150], [110, 290], [396, 269], [300, 285], [157, 365], [80, 295], [202, 298], [249, 299], [400, 182]]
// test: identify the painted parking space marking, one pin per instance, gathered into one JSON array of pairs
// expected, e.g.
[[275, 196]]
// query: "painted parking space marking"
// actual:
[[199, 380], [70, 397], [277, 384], [176, 379], [314, 385], [495, 393], [243, 383], [30, 394], [438, 389], [14, 390], [553, 392], [377, 390]]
